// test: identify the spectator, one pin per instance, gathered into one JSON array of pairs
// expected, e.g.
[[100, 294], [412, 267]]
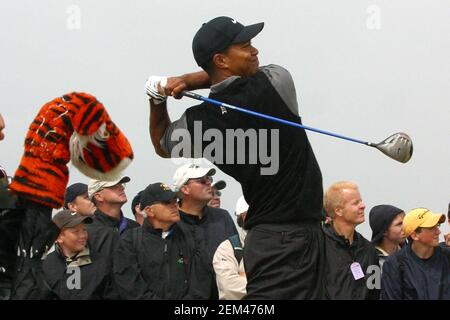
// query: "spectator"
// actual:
[[212, 225], [348, 253], [136, 208], [217, 193], [228, 263], [446, 242], [194, 184], [73, 271], [76, 199], [109, 222], [9, 219], [421, 270], [159, 260], [285, 209], [387, 233]]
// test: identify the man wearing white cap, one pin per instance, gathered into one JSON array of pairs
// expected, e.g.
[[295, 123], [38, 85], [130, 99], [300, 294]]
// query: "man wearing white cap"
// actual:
[[214, 224], [109, 221], [421, 270], [228, 263]]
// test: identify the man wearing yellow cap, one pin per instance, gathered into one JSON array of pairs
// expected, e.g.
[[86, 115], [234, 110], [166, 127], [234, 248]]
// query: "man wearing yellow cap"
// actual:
[[421, 270]]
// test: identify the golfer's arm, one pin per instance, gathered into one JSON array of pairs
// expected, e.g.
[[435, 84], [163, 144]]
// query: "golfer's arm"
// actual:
[[159, 122], [197, 80], [159, 117]]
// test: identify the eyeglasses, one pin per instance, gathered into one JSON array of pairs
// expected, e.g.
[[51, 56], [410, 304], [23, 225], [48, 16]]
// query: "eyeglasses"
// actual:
[[203, 180]]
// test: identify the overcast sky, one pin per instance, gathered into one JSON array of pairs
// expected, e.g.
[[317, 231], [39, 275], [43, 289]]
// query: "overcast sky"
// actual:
[[365, 69]]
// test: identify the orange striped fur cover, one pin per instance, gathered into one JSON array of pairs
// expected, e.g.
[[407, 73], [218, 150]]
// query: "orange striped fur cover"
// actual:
[[73, 127]]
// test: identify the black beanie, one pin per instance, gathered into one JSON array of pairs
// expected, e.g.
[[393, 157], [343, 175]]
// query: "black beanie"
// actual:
[[380, 218]]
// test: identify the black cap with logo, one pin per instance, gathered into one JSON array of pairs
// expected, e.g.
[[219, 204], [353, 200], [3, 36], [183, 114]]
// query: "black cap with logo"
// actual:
[[218, 34], [156, 192]]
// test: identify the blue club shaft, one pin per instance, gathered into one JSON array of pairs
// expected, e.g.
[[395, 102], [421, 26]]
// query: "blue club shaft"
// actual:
[[265, 116]]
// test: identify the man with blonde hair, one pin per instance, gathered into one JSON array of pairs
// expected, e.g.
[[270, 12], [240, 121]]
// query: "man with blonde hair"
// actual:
[[421, 270], [348, 253]]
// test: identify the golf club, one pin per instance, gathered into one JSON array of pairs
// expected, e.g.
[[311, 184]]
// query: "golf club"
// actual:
[[397, 146]]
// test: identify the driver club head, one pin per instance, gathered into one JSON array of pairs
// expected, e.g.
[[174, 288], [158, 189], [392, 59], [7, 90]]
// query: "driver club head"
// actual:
[[398, 146]]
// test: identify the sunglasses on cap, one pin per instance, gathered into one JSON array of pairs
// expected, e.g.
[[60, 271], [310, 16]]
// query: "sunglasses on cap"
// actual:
[[116, 187], [202, 180]]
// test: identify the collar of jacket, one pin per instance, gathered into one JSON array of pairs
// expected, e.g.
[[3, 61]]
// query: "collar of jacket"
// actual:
[[341, 240], [381, 252], [147, 226], [223, 84], [242, 234], [193, 219], [434, 257], [107, 220], [82, 258]]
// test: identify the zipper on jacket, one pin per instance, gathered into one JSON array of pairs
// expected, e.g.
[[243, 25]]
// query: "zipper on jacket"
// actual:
[[167, 267]]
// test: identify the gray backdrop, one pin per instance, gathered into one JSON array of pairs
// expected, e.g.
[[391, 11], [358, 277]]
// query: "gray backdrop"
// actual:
[[365, 69]]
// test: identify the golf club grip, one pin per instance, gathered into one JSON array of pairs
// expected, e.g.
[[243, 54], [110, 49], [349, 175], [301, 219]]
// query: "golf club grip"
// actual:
[[265, 116], [192, 95]]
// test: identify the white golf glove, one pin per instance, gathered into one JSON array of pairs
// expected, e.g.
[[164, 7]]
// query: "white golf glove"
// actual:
[[151, 88]]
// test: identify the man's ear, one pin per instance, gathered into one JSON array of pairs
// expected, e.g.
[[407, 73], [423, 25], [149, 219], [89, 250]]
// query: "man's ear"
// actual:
[[59, 239], [338, 212], [220, 61], [72, 207], [414, 236], [184, 190], [149, 212], [98, 196]]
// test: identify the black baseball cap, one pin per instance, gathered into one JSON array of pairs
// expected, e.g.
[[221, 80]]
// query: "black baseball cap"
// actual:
[[74, 191], [68, 219], [136, 201], [218, 34], [219, 185], [156, 192]]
